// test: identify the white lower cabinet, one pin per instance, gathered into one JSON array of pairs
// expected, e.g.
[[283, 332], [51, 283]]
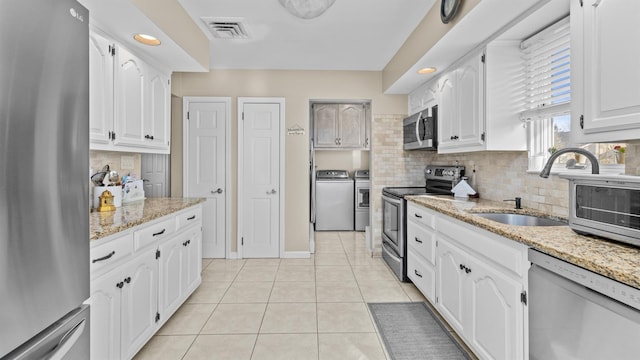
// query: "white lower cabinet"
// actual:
[[180, 265], [133, 295], [139, 310], [421, 249], [479, 283]]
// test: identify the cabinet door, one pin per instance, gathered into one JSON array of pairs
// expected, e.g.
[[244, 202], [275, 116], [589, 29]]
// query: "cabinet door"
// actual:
[[100, 88], [325, 125], [193, 261], [611, 73], [130, 96], [105, 316], [139, 302], [470, 92], [451, 285], [447, 111], [496, 330], [352, 126], [157, 125], [172, 264]]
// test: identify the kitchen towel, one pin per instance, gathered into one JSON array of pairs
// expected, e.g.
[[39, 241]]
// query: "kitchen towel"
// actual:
[[411, 332]]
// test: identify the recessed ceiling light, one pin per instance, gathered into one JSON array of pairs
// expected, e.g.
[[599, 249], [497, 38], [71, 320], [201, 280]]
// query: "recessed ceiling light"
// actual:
[[146, 39], [427, 70]]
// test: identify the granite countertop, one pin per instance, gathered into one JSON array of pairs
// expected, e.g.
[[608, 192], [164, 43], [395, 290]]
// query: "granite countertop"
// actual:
[[103, 224], [608, 258]]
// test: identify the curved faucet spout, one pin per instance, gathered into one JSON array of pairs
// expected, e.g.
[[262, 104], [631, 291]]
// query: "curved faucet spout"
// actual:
[[595, 167]]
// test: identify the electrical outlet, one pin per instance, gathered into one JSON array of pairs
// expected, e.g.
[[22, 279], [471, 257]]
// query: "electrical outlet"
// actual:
[[126, 162]]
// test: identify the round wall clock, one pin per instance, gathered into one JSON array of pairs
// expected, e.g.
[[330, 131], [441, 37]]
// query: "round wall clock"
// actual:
[[448, 10]]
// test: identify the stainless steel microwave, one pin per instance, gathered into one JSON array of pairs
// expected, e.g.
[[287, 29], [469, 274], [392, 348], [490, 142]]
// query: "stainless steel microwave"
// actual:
[[420, 130], [605, 205]]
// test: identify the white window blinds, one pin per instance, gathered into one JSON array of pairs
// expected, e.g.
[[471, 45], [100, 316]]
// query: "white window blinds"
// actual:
[[547, 72]]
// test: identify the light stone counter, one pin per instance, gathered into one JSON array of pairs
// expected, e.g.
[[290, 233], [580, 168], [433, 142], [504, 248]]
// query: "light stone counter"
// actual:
[[103, 224], [608, 258]]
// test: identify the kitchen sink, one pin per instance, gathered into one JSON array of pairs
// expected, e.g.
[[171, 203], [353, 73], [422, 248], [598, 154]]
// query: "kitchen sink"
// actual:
[[521, 220]]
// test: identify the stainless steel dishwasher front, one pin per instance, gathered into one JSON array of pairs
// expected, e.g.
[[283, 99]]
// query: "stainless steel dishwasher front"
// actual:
[[577, 314]]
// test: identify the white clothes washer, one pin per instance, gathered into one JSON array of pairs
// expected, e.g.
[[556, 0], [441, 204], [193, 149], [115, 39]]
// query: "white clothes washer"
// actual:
[[334, 201]]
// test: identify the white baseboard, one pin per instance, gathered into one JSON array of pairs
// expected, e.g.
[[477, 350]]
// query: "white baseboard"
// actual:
[[233, 255], [296, 255]]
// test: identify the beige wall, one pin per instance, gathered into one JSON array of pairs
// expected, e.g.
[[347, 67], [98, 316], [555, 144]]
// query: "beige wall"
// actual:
[[297, 88], [176, 146], [171, 17], [342, 160], [428, 32]]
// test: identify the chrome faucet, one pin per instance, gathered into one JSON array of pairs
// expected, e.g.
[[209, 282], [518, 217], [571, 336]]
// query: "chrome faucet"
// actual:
[[595, 167]]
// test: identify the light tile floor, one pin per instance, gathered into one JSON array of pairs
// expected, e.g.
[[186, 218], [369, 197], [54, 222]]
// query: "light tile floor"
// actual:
[[285, 308]]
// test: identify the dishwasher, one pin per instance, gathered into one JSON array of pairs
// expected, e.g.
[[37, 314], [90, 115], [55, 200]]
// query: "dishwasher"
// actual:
[[576, 314]]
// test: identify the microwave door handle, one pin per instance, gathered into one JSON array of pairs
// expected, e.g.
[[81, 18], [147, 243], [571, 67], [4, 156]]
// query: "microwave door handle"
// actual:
[[418, 128]]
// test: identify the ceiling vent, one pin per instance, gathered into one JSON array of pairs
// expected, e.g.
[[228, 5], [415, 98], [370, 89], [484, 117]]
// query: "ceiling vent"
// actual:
[[226, 28]]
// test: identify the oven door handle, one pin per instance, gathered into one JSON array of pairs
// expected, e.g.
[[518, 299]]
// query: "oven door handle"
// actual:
[[391, 200], [390, 251], [418, 122]]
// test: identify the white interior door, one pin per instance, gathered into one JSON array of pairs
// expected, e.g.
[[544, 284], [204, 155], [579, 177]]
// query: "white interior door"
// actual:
[[260, 179], [205, 168], [155, 172]]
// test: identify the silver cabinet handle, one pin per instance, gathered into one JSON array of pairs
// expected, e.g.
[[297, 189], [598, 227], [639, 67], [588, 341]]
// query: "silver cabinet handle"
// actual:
[[218, 191]]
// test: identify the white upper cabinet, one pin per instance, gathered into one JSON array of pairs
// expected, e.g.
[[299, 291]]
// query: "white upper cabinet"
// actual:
[[478, 103], [605, 77], [157, 124], [425, 96], [130, 97], [101, 88], [130, 101], [461, 108]]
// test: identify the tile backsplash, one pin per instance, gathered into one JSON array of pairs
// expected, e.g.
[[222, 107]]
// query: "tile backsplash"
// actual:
[[122, 162], [498, 176]]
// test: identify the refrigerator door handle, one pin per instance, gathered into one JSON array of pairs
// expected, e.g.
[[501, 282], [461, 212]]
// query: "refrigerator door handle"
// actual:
[[67, 342]]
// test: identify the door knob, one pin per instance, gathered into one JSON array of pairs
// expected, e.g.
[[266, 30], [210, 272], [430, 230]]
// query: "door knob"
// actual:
[[273, 191], [219, 191]]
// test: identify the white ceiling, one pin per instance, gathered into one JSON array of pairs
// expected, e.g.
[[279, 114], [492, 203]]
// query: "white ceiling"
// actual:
[[351, 35]]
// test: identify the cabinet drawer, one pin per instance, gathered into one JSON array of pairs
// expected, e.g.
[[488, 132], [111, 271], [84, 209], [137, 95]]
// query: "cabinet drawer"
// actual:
[[422, 241], [188, 217], [421, 215], [421, 274], [153, 233], [102, 256], [502, 252]]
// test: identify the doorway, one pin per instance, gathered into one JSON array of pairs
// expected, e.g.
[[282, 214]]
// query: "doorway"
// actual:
[[206, 167], [260, 177], [155, 173]]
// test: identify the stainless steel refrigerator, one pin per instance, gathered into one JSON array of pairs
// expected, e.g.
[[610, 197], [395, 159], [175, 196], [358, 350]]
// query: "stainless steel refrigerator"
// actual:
[[44, 169]]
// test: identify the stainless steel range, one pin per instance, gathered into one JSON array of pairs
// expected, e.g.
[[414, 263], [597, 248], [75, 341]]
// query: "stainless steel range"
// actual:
[[439, 180]]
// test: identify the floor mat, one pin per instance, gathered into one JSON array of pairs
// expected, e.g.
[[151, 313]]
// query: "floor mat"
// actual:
[[411, 332]]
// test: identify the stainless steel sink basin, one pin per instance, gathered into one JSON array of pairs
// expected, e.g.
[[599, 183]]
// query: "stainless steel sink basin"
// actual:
[[520, 219]]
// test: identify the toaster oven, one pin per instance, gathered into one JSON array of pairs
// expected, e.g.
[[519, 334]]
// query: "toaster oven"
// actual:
[[605, 205]]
